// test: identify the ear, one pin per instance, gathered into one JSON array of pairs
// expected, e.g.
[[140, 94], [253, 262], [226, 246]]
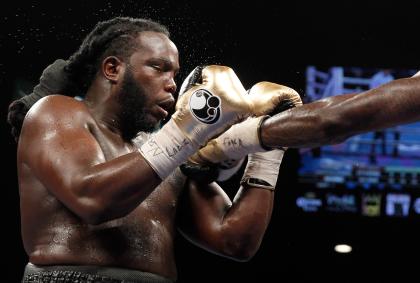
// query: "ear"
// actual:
[[112, 68]]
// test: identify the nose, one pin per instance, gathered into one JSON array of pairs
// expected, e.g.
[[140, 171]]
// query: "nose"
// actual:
[[171, 86]]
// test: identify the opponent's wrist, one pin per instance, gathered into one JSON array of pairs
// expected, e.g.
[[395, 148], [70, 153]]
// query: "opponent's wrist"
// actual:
[[260, 136], [236, 143], [167, 149]]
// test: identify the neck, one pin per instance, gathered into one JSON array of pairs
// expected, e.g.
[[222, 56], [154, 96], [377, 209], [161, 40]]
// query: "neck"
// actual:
[[103, 106]]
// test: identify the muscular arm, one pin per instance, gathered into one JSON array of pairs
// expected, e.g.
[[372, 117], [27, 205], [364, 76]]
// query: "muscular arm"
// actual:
[[233, 229], [334, 119], [60, 151]]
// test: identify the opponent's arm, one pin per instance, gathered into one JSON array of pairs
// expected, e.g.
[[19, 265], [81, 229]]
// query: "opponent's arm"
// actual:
[[334, 119]]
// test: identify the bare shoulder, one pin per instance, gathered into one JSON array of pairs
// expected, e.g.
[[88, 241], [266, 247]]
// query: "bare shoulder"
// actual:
[[54, 118], [53, 110]]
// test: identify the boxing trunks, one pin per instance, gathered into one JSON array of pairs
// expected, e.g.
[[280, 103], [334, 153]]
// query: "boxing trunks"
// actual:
[[90, 274]]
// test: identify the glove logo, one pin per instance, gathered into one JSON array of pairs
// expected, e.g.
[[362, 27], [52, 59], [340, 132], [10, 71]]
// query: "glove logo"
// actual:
[[205, 106]]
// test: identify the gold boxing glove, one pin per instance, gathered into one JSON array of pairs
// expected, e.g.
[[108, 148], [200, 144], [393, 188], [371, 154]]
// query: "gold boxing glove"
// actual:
[[244, 138], [211, 99], [269, 98]]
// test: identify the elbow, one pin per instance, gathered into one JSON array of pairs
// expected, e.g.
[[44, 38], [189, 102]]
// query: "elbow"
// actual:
[[239, 246], [244, 257], [91, 212], [241, 252], [90, 207]]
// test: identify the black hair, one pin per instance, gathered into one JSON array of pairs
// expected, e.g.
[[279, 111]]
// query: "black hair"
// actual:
[[114, 37]]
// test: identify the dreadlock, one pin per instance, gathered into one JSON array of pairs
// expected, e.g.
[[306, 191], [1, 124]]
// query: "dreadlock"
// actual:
[[114, 37]]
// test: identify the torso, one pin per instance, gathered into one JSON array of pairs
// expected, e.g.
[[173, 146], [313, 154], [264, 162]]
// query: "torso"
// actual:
[[142, 240]]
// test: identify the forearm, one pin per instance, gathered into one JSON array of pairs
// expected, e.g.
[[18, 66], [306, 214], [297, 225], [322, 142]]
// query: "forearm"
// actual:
[[334, 119], [309, 125], [116, 187], [232, 229], [245, 223]]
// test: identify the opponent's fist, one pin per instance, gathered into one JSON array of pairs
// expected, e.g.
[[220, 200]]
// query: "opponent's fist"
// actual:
[[269, 98], [244, 138], [211, 99]]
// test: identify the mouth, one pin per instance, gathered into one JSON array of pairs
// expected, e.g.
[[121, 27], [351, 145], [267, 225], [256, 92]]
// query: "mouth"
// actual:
[[164, 107], [161, 112]]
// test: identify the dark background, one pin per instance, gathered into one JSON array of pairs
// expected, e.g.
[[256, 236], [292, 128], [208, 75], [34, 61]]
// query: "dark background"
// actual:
[[260, 41]]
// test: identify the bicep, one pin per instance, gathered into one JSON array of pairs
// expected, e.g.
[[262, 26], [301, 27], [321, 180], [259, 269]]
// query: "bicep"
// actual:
[[66, 157], [59, 154]]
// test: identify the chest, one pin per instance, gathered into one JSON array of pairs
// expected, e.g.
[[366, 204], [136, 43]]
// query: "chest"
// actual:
[[164, 198], [111, 144]]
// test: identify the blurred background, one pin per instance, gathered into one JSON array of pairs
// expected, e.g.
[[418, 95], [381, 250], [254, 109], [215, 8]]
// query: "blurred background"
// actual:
[[363, 193]]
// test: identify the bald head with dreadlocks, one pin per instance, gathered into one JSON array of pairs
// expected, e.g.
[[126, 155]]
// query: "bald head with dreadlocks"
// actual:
[[115, 37]]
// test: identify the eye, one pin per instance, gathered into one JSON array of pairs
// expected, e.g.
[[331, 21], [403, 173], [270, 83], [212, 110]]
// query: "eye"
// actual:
[[157, 68]]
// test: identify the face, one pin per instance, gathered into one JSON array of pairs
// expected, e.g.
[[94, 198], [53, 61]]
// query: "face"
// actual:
[[148, 84]]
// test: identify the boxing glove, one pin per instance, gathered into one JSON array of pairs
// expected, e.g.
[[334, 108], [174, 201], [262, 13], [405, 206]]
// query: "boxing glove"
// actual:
[[211, 99], [263, 166], [269, 98], [244, 138]]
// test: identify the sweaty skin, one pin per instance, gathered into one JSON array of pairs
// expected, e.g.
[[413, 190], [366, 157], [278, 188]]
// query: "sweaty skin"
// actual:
[[54, 234], [334, 119], [87, 195], [89, 198]]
